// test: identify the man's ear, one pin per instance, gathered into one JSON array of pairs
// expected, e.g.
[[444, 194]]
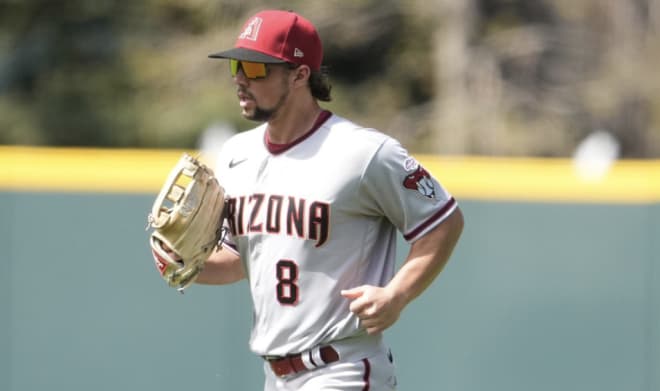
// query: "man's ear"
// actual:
[[301, 75]]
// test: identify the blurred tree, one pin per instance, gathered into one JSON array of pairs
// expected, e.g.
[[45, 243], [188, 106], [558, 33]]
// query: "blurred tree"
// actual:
[[520, 77], [64, 63], [498, 77]]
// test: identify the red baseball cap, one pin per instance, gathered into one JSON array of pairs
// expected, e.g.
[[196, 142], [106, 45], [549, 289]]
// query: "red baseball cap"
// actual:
[[273, 36]]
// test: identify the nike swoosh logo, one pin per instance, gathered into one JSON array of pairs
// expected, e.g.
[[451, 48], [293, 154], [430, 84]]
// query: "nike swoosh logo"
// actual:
[[233, 163]]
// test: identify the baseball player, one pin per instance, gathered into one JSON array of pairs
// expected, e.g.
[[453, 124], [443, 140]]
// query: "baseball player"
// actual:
[[314, 204]]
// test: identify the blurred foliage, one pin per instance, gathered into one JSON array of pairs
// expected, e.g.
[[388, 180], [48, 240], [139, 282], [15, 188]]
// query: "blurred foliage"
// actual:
[[497, 77]]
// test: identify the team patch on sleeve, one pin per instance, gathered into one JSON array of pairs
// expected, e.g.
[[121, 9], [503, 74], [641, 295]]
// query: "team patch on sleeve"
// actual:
[[419, 180]]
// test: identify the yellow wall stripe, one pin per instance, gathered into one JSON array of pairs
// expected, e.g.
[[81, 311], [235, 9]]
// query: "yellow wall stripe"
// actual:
[[81, 170], [516, 179], [533, 179]]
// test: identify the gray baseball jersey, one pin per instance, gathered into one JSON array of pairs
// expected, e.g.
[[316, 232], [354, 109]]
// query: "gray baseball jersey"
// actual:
[[316, 216]]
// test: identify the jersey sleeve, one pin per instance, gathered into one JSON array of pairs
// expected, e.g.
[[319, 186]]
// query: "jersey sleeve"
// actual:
[[395, 185]]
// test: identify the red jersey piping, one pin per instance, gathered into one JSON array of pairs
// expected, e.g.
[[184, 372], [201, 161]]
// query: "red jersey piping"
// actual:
[[276, 149]]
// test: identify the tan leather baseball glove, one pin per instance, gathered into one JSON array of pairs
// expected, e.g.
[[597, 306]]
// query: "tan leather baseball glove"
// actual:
[[187, 222]]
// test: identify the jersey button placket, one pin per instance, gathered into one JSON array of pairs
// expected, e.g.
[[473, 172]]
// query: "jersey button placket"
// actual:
[[262, 172], [255, 253]]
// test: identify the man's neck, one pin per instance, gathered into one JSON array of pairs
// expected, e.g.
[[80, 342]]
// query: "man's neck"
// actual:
[[291, 124]]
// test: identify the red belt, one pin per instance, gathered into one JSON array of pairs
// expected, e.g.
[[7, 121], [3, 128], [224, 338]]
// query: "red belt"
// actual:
[[287, 365]]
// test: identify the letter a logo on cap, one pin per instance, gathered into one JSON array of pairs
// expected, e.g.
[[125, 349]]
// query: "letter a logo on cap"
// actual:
[[252, 29]]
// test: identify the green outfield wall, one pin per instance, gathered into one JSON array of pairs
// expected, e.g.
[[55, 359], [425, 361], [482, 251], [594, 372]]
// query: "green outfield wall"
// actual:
[[555, 284]]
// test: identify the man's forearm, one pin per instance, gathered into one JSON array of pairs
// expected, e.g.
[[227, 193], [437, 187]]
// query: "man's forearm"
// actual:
[[222, 267], [427, 257]]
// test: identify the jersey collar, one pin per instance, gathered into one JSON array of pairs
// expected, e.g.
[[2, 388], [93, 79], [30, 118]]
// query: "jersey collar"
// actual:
[[276, 149]]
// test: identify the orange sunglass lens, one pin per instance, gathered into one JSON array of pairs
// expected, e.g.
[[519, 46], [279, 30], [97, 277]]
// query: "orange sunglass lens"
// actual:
[[254, 70], [251, 70]]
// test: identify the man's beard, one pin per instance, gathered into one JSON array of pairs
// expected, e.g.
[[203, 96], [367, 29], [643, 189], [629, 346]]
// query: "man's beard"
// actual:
[[262, 114]]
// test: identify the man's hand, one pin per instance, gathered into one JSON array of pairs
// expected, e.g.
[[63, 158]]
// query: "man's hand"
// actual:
[[377, 308]]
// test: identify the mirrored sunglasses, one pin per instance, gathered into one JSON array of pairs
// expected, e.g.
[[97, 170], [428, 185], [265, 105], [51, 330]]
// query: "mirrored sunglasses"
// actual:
[[251, 70]]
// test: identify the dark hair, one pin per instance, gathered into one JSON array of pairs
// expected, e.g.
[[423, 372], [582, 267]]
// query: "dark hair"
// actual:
[[319, 83]]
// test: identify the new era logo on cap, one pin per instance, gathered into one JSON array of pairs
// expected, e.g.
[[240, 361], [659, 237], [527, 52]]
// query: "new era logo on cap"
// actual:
[[277, 36]]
